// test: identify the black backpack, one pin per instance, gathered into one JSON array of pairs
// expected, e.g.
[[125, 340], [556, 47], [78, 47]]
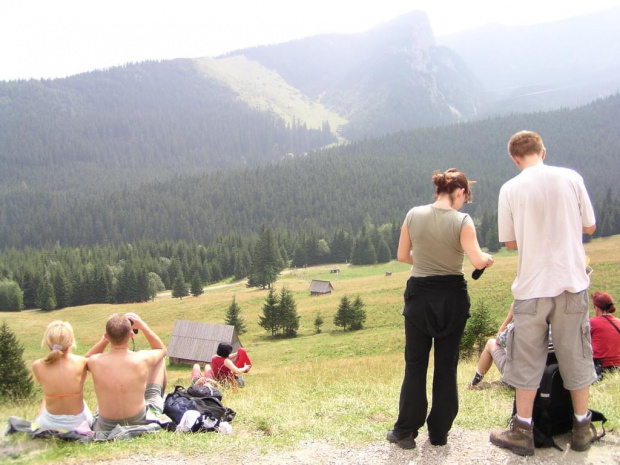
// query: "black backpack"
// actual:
[[180, 400], [204, 391], [553, 408], [214, 407]]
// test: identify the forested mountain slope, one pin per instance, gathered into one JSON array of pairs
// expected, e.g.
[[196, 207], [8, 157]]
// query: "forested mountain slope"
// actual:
[[391, 78], [265, 89], [132, 124], [323, 191]]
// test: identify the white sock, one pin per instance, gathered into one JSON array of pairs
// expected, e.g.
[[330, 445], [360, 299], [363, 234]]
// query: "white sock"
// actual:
[[581, 418], [525, 420]]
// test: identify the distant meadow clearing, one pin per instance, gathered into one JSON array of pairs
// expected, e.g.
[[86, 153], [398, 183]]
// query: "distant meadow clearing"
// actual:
[[339, 387]]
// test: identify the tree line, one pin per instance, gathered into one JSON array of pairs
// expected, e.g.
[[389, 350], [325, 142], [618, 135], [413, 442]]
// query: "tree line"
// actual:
[[57, 277], [324, 191]]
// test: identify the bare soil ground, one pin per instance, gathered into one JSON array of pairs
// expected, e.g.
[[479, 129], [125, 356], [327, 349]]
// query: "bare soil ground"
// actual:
[[464, 448]]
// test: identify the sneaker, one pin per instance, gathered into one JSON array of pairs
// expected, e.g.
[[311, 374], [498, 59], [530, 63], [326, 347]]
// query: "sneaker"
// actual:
[[477, 378], [518, 438], [584, 434], [406, 441]]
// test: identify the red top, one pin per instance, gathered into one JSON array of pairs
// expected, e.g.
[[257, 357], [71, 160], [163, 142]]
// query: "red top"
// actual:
[[606, 340], [219, 370]]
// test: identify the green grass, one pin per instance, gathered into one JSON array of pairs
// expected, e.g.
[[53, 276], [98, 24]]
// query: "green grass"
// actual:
[[339, 387], [264, 89]]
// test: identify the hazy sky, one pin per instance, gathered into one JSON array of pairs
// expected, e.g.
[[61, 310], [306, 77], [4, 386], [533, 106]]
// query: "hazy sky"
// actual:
[[57, 38]]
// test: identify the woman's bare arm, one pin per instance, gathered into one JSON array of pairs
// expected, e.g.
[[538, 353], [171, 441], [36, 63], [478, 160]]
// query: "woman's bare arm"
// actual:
[[469, 242], [404, 245]]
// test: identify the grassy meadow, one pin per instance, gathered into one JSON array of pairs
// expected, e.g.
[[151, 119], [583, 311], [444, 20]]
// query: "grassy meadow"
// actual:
[[339, 387]]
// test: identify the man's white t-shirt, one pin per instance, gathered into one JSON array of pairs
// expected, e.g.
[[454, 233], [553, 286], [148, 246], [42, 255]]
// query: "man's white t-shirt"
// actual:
[[544, 209]]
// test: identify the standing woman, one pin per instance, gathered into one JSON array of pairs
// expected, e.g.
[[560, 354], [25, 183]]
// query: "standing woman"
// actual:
[[434, 239], [61, 375]]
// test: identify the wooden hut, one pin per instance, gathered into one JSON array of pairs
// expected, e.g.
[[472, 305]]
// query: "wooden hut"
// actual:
[[318, 287], [195, 342]]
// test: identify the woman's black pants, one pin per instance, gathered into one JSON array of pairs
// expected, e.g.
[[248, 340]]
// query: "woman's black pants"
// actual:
[[439, 321]]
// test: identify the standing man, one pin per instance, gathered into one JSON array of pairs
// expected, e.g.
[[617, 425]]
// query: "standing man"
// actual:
[[543, 212], [127, 384]]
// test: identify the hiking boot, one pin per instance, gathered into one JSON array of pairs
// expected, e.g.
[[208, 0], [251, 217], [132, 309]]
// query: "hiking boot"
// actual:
[[404, 441], [584, 434], [518, 438]]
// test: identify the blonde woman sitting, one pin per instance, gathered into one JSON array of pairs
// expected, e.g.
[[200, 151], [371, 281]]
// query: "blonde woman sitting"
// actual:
[[61, 374]]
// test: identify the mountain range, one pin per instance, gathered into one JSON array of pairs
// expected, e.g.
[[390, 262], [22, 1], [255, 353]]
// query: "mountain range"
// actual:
[[388, 79], [165, 149], [543, 66]]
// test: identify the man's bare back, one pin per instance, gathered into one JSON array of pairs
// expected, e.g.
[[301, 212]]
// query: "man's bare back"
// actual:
[[121, 376], [120, 379]]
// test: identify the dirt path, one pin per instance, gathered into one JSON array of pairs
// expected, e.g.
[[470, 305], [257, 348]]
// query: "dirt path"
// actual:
[[464, 448]]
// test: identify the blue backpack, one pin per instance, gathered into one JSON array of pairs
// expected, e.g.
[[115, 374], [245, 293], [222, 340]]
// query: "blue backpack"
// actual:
[[176, 404]]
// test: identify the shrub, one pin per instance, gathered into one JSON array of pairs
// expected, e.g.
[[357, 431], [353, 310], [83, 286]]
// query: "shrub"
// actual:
[[16, 381], [11, 297], [479, 328], [318, 322]]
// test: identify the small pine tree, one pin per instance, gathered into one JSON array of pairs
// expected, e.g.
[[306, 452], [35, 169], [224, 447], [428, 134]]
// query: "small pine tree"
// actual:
[[269, 319], [233, 317], [343, 314], [480, 327], [491, 240], [179, 288], [16, 381], [358, 314], [196, 287], [318, 322], [287, 310], [350, 315]]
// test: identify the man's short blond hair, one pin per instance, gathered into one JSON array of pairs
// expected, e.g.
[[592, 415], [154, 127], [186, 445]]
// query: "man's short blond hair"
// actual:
[[525, 143], [118, 329]]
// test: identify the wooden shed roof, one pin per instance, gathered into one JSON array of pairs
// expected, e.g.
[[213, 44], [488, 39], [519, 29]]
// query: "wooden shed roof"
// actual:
[[197, 341], [322, 287]]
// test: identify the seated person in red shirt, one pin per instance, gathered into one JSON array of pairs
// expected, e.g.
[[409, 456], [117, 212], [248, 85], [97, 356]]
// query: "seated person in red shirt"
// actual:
[[605, 330], [227, 366]]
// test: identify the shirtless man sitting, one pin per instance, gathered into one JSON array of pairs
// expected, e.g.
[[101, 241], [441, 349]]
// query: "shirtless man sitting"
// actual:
[[128, 383]]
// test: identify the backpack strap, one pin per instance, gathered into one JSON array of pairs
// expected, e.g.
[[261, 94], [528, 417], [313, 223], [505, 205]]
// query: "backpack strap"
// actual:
[[542, 440], [611, 323], [598, 416], [546, 383]]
